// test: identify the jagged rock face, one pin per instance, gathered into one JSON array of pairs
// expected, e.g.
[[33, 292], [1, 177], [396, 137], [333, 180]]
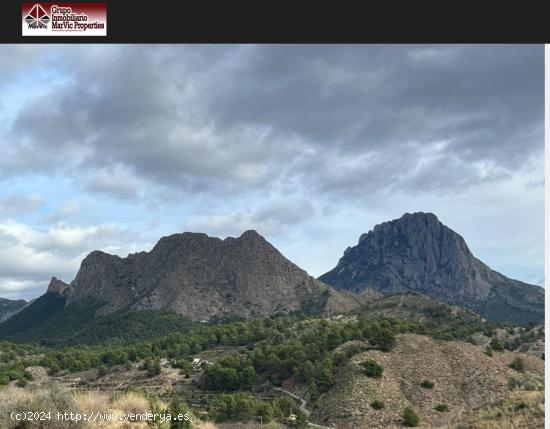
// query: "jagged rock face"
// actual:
[[199, 277], [57, 286], [417, 252]]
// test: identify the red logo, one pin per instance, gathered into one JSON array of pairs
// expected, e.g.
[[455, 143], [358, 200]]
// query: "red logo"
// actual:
[[64, 19], [37, 17]]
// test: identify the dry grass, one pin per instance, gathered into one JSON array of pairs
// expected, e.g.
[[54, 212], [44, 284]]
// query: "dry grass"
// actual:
[[131, 403], [55, 398], [521, 410], [464, 378], [92, 402]]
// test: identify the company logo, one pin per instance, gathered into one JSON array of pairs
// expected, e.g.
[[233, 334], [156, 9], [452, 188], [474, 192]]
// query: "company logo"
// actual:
[[64, 19], [37, 17]]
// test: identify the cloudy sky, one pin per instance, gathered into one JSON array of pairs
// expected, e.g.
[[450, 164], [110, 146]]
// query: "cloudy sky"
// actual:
[[112, 147]]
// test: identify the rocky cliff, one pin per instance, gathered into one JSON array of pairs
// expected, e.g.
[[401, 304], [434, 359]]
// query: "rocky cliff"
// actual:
[[417, 252], [200, 277]]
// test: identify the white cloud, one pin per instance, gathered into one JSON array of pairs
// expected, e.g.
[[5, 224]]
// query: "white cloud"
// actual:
[[29, 256]]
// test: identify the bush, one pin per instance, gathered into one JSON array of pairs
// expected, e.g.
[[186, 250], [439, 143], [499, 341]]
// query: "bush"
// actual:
[[497, 345], [372, 368], [179, 407], [410, 418], [489, 351], [526, 381], [427, 384], [442, 408], [377, 404], [517, 364], [301, 420], [384, 340], [152, 367]]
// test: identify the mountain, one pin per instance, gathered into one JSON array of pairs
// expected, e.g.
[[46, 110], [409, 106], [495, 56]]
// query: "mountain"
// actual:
[[418, 253], [9, 307], [196, 276]]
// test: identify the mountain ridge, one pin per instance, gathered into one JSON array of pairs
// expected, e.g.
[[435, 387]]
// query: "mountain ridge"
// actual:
[[417, 252], [200, 277]]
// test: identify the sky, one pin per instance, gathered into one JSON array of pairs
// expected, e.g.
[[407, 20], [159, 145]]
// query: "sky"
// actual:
[[111, 147]]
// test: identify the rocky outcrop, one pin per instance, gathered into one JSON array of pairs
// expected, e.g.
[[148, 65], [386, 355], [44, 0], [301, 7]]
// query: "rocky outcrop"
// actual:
[[200, 277], [417, 252], [57, 286]]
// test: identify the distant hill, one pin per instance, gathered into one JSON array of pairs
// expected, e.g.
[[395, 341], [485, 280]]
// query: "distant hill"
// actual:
[[416, 307], [418, 253], [9, 307]]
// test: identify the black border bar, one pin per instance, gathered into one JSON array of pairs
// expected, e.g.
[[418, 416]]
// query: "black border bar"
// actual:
[[261, 21]]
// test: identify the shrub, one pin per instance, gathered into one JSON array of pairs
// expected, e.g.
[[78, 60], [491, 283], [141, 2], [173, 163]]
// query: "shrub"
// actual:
[[372, 368], [526, 381], [427, 384], [517, 364], [442, 408], [152, 367], [410, 418], [301, 420], [497, 345], [377, 404], [179, 407], [489, 351], [384, 340]]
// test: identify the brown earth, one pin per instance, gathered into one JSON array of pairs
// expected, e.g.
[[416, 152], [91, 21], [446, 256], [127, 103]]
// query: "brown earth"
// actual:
[[464, 378]]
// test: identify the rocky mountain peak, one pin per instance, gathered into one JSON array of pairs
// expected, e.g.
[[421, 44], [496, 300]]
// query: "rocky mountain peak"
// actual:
[[252, 234], [57, 286], [199, 277], [417, 252]]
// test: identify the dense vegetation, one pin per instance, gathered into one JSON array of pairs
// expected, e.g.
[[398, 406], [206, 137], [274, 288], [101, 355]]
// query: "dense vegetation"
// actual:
[[271, 349], [257, 354], [51, 324]]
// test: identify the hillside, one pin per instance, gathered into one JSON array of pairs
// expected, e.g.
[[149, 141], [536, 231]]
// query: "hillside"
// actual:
[[463, 377], [418, 253], [9, 307], [418, 308], [250, 368]]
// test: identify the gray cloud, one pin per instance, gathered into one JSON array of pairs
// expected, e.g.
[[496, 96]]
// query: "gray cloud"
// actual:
[[240, 118], [316, 141], [15, 204], [271, 218]]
